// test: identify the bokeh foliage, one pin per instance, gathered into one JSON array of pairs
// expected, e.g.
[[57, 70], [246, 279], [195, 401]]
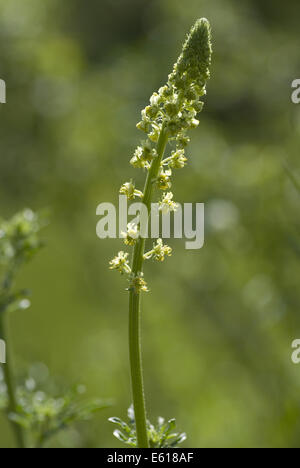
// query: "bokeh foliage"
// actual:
[[220, 322]]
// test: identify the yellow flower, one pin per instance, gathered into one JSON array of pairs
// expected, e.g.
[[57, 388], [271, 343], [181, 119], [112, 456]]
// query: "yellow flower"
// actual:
[[159, 252], [138, 284], [120, 263], [130, 191], [133, 233], [167, 204]]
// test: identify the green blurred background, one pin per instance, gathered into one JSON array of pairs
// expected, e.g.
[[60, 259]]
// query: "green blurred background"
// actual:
[[218, 325]]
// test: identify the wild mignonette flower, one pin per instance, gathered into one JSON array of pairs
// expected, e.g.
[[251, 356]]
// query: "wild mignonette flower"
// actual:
[[166, 204], [137, 283], [166, 120], [133, 232], [121, 263], [159, 251], [143, 155], [128, 189], [182, 140], [177, 160], [164, 179]]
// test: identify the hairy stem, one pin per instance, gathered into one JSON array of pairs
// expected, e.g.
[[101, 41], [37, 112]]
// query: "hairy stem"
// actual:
[[9, 381], [134, 307]]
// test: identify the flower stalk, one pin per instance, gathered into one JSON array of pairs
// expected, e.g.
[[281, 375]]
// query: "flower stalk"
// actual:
[[166, 120], [18, 243], [10, 385], [135, 351]]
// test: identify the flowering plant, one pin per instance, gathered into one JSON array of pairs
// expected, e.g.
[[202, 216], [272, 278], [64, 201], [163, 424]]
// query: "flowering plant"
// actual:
[[171, 113]]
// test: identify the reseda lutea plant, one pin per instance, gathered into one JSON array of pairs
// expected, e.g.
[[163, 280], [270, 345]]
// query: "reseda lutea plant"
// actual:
[[166, 120]]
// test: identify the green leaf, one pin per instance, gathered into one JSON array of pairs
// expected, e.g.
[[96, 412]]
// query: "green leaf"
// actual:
[[159, 436]]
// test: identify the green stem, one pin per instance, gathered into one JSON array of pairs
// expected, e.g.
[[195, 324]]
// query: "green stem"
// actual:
[[135, 350], [9, 381]]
